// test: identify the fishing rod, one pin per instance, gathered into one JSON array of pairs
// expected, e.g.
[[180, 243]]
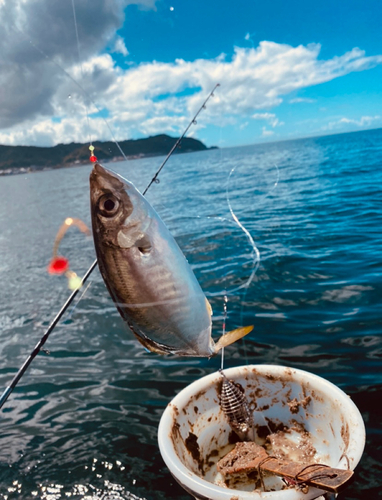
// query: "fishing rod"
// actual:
[[44, 338], [192, 122]]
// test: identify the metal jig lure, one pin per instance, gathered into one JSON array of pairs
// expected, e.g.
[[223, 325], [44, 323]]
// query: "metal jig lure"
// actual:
[[236, 408]]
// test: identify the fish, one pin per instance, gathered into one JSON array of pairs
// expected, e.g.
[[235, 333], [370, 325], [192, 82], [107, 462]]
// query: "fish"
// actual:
[[147, 274]]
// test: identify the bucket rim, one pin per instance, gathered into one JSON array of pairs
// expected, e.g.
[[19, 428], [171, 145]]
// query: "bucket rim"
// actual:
[[191, 481]]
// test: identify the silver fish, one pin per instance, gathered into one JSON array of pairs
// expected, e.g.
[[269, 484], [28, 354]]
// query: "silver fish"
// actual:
[[146, 273]]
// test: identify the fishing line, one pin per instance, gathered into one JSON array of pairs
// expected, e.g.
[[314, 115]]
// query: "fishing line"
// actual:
[[44, 338], [255, 251], [192, 122], [226, 221], [256, 260], [81, 68], [79, 300], [86, 94], [225, 303], [255, 256], [278, 178]]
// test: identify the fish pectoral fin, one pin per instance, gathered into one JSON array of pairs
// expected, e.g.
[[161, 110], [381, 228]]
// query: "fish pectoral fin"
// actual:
[[232, 336]]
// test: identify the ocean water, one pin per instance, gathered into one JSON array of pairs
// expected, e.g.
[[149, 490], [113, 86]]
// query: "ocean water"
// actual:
[[82, 423]]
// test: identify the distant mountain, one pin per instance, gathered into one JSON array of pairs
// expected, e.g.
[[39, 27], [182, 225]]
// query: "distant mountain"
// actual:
[[14, 159]]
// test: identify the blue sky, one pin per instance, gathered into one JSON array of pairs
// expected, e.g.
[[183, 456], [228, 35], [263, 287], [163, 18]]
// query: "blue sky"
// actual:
[[286, 69], [207, 28]]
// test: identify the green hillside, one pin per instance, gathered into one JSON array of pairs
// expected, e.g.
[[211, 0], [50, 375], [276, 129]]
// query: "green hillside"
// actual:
[[14, 158]]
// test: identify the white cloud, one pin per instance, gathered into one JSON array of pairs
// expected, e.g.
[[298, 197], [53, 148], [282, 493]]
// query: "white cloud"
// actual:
[[142, 99], [266, 133], [39, 43], [364, 121], [269, 117], [120, 47], [253, 79], [301, 99]]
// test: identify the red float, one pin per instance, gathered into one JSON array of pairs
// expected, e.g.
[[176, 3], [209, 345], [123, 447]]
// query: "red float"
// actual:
[[58, 265]]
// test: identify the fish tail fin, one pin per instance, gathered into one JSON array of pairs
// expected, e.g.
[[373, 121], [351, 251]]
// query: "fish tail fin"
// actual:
[[232, 336]]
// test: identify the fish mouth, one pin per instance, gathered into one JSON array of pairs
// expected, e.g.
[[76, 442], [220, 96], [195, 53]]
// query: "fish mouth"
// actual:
[[102, 179], [99, 169]]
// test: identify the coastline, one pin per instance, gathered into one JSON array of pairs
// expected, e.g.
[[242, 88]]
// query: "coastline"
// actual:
[[78, 163], [26, 159]]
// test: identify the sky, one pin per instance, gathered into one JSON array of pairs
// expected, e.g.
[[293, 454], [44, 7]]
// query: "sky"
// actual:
[[86, 70]]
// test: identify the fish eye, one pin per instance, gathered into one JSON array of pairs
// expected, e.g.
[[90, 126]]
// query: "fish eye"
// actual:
[[108, 205]]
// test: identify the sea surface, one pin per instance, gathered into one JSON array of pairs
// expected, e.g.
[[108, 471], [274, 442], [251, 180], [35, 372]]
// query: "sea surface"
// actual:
[[82, 423]]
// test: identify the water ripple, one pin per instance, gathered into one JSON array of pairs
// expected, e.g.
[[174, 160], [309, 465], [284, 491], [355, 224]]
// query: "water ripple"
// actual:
[[82, 423]]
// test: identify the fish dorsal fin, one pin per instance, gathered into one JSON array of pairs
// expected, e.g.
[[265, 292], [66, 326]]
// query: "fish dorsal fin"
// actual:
[[231, 337]]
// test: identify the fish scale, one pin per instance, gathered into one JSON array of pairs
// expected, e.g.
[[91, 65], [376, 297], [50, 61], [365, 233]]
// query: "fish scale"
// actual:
[[168, 293], [135, 296]]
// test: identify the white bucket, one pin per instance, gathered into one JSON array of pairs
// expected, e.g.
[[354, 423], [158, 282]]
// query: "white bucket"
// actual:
[[334, 424]]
